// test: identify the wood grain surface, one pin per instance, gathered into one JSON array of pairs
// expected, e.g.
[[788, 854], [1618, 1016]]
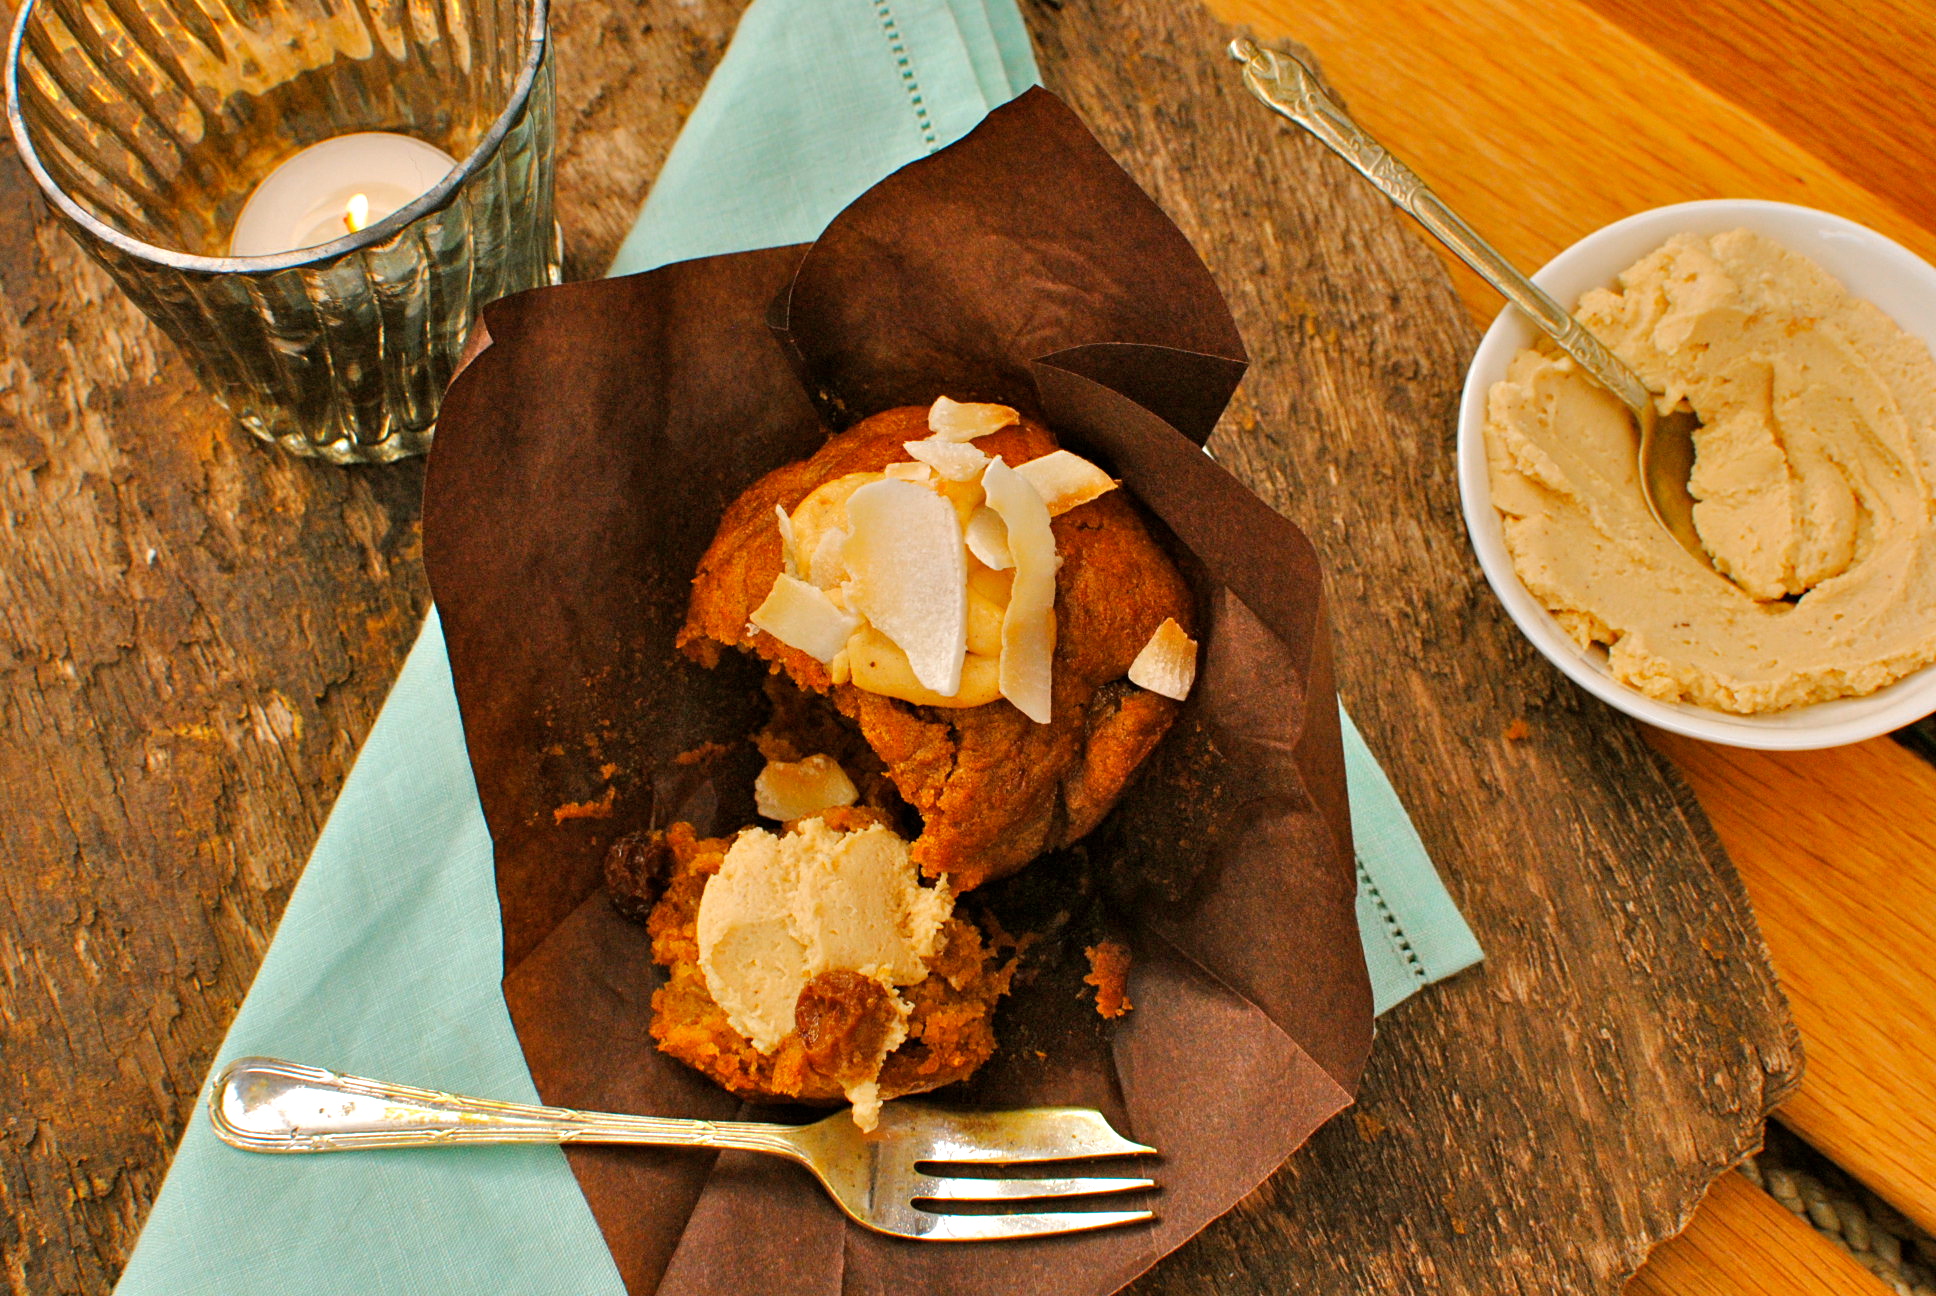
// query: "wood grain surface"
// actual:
[[1854, 84], [197, 633], [1541, 120], [1571, 1130], [1844, 887], [1751, 1243], [195, 636]]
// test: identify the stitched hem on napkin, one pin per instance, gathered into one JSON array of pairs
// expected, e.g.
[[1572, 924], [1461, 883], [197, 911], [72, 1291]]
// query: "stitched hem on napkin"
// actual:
[[1403, 907], [898, 48]]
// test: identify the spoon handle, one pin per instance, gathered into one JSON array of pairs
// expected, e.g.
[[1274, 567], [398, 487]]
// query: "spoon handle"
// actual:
[[1290, 89]]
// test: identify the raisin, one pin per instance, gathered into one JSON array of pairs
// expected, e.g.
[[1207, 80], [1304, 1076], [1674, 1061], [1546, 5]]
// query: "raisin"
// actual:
[[636, 870], [845, 1020]]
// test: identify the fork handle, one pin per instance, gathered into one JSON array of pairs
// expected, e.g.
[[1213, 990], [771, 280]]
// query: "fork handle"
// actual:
[[1290, 89], [269, 1105]]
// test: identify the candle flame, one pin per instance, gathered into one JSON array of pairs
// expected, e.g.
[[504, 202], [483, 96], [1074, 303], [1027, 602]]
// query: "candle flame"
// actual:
[[357, 213]]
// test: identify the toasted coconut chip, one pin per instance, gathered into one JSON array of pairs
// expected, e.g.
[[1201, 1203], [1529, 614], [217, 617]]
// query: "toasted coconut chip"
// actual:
[[875, 665], [1168, 662], [789, 790], [954, 460], [909, 472], [802, 617], [824, 565], [907, 574], [789, 555], [987, 537], [1028, 626], [954, 421], [1065, 480]]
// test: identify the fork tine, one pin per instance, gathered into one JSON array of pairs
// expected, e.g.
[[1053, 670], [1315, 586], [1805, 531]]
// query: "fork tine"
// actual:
[[1013, 1189], [1017, 1137], [982, 1228]]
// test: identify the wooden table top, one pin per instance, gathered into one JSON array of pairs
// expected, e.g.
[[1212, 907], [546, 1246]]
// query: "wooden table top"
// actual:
[[190, 660], [1541, 120]]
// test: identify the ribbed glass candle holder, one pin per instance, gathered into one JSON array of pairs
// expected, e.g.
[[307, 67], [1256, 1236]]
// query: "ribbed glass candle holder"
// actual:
[[148, 123]]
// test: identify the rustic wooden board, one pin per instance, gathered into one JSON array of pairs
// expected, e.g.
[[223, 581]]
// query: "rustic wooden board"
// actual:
[[195, 634], [178, 723], [1565, 1107]]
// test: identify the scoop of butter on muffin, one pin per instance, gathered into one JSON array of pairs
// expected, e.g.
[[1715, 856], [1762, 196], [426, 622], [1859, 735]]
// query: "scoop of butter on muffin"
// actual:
[[837, 918], [814, 964]]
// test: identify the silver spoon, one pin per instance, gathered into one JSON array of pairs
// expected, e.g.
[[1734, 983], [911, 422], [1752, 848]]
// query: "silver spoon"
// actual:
[[1666, 451]]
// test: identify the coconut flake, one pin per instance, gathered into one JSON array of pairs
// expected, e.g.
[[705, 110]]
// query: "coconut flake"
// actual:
[[824, 569], [789, 555], [917, 472], [954, 421], [802, 617], [954, 460], [1066, 480], [907, 574], [789, 790], [987, 537], [1028, 625], [1168, 662]]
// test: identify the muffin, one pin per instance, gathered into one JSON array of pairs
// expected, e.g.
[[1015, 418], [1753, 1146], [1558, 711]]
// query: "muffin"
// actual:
[[973, 641], [1027, 736], [813, 966]]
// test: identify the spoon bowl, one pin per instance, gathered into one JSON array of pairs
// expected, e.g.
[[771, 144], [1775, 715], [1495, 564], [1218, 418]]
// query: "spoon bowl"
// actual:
[[1666, 462]]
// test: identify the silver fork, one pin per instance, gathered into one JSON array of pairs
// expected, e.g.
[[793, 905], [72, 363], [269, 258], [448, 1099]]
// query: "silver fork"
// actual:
[[269, 1105]]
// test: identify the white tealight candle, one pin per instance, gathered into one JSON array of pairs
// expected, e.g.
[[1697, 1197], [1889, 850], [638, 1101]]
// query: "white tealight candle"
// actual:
[[335, 188]]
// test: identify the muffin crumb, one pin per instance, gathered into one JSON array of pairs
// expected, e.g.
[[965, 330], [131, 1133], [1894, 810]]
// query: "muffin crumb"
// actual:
[[1109, 973]]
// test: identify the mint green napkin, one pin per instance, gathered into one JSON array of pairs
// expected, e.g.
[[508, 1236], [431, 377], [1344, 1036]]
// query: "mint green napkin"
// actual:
[[387, 959]]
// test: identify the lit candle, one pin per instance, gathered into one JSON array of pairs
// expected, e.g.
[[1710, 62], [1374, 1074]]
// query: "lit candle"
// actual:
[[335, 188]]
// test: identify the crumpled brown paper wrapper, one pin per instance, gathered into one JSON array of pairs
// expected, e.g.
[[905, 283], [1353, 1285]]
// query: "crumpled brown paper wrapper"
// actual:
[[582, 462]]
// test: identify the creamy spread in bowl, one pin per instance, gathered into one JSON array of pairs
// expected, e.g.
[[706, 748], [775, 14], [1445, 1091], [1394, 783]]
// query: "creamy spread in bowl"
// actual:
[[1815, 483]]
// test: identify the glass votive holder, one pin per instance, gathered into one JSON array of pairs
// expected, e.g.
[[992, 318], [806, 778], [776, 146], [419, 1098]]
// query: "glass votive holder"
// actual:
[[149, 124]]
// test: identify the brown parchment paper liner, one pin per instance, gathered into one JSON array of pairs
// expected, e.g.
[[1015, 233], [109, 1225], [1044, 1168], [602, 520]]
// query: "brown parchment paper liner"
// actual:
[[582, 462]]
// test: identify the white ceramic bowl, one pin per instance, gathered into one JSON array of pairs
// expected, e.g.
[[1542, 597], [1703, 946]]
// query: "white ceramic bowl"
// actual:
[[1898, 281]]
